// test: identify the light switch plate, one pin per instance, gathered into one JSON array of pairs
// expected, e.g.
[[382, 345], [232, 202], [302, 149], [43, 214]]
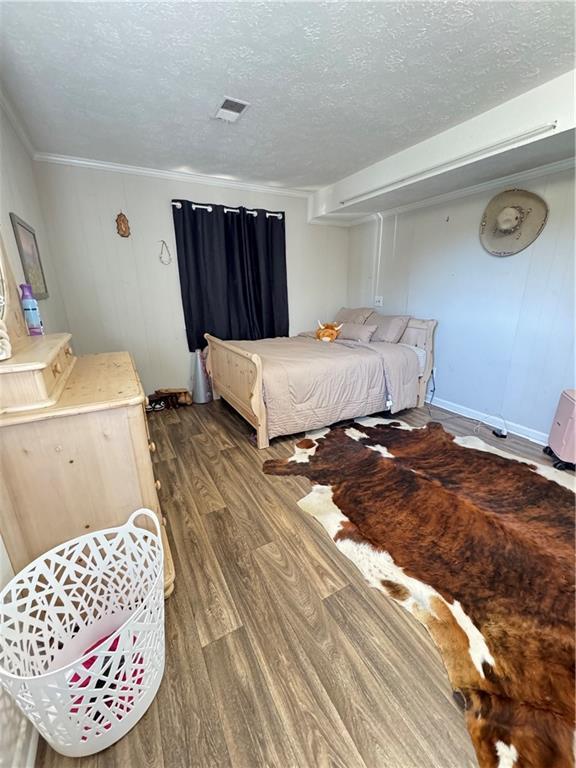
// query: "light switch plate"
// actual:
[[378, 301]]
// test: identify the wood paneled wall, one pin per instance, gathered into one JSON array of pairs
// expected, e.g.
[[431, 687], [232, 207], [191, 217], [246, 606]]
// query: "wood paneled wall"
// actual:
[[505, 336]]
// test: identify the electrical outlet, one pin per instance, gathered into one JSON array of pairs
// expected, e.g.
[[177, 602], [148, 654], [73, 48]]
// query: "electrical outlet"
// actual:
[[378, 301]]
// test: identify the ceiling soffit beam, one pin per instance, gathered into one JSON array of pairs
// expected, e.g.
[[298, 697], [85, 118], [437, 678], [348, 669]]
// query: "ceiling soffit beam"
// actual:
[[536, 114], [477, 154]]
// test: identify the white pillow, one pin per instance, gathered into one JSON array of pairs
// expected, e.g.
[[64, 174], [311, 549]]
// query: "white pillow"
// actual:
[[388, 327], [357, 332], [347, 315]]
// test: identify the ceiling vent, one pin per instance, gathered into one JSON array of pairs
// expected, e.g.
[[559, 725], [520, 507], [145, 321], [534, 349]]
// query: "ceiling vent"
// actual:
[[231, 109]]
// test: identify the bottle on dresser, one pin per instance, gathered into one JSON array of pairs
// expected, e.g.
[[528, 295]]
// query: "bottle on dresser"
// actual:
[[31, 311]]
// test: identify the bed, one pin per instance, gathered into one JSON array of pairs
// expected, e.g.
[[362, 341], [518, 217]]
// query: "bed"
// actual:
[[294, 384]]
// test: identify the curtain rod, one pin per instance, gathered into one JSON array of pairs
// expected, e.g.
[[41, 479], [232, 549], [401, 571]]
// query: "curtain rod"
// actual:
[[228, 210]]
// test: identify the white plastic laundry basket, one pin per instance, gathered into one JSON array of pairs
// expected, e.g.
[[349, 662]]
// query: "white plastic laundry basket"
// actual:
[[82, 636]]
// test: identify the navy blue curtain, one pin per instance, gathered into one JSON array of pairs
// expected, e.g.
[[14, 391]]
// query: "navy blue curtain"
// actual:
[[232, 267]]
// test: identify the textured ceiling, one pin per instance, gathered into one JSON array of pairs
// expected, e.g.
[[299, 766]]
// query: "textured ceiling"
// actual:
[[333, 87]]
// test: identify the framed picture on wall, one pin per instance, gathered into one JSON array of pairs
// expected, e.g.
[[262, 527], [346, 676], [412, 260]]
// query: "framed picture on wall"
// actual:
[[30, 256]]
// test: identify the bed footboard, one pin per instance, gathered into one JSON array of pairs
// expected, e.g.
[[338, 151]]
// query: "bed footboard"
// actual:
[[237, 377]]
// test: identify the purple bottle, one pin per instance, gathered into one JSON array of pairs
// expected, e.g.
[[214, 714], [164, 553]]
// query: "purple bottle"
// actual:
[[31, 311]]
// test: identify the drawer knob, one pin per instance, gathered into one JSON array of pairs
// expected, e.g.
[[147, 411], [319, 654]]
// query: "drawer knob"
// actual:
[[152, 446], [56, 369], [158, 485]]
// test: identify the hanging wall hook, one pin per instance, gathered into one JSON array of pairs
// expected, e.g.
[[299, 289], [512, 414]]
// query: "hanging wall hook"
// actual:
[[165, 256]]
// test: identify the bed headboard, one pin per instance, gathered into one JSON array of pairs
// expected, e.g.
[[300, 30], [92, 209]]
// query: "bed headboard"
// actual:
[[419, 333]]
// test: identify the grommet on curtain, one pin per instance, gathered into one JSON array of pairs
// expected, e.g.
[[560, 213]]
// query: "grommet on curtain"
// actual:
[[237, 210]]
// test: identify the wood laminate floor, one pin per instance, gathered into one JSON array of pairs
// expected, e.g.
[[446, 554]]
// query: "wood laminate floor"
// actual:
[[277, 653]]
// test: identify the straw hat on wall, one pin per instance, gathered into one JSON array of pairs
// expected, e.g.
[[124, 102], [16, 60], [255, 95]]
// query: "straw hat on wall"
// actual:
[[512, 220]]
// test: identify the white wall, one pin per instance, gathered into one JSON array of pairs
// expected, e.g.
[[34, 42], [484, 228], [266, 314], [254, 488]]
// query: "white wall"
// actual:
[[505, 336], [362, 263], [117, 294], [19, 195]]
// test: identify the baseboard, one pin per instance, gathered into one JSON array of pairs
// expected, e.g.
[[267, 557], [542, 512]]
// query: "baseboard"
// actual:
[[493, 421]]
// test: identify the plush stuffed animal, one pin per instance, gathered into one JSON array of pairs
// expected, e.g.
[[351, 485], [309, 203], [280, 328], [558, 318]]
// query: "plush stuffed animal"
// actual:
[[328, 331]]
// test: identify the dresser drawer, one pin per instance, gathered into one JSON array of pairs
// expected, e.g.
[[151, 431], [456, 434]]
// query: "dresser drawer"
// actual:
[[35, 375], [56, 372]]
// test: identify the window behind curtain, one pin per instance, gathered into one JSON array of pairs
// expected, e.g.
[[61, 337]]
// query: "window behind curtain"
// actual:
[[232, 265]]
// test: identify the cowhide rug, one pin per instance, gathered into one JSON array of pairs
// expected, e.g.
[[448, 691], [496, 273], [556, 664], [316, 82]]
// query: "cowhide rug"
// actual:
[[480, 548]]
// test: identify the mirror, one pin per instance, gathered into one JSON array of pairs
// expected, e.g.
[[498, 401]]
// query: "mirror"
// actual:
[[13, 330], [5, 346], [2, 285]]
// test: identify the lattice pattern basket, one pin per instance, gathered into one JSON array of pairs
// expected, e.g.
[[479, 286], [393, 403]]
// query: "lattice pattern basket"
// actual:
[[82, 636]]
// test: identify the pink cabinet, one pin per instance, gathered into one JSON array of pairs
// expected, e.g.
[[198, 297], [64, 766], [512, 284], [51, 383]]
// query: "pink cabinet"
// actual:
[[562, 440]]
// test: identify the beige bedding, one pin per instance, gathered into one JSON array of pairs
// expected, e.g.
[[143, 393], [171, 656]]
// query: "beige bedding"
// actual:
[[310, 384]]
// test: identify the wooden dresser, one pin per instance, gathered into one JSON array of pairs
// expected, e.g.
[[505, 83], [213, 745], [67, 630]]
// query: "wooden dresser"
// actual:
[[74, 447]]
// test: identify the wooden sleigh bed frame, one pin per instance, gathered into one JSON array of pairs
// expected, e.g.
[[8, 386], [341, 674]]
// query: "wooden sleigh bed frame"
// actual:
[[237, 377]]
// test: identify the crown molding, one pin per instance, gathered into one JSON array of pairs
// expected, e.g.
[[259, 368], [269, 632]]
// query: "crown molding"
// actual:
[[331, 219], [16, 123], [196, 178], [532, 173]]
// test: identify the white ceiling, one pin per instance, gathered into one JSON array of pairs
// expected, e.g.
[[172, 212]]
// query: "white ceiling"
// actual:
[[333, 87]]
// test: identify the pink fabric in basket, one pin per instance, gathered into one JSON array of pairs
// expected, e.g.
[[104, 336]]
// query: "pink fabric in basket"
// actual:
[[78, 682]]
